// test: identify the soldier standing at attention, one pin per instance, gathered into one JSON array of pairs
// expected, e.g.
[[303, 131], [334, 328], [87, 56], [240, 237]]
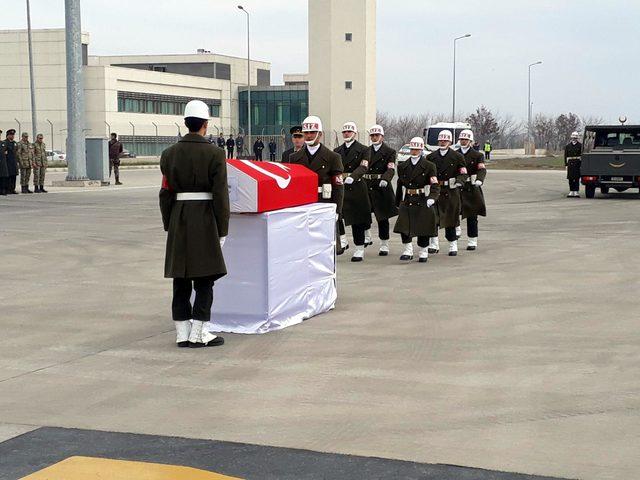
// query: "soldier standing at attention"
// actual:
[[416, 194], [115, 150], [356, 209], [221, 142], [231, 143], [472, 197], [327, 164], [297, 138], [194, 201], [258, 147], [572, 161], [382, 168], [240, 145], [273, 147], [24, 153], [452, 174], [39, 164], [10, 148], [4, 171]]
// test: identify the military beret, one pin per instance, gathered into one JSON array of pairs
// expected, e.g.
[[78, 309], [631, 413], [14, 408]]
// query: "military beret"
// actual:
[[11, 132], [296, 129]]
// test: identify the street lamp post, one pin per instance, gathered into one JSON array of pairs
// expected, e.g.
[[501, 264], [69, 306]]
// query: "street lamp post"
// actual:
[[248, 75], [34, 120], [529, 105], [453, 113]]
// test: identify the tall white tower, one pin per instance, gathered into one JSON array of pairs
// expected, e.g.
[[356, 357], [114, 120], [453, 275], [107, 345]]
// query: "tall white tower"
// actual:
[[342, 64]]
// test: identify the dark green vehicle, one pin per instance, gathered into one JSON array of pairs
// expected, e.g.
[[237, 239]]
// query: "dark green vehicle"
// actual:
[[610, 158]]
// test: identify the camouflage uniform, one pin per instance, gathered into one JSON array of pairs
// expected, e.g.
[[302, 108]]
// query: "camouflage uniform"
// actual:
[[24, 154], [39, 164]]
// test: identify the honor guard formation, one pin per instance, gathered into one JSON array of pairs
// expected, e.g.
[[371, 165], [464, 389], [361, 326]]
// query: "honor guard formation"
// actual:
[[433, 192]]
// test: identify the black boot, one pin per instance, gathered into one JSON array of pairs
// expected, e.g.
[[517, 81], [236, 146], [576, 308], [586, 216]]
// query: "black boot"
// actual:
[[23, 189], [36, 189], [42, 190]]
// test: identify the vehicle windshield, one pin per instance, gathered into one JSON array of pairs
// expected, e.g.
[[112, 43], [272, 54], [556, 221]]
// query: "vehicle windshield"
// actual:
[[603, 139]]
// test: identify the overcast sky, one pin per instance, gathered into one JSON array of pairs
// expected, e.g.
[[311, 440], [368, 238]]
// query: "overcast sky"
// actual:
[[589, 48]]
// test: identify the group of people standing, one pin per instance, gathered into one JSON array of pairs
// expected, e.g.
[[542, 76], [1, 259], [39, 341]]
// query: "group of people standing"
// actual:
[[433, 190], [25, 158]]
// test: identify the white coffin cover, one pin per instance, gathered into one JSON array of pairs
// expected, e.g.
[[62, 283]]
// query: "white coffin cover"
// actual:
[[282, 269]]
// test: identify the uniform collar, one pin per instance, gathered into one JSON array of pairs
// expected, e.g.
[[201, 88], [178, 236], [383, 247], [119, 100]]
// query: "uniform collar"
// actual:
[[194, 138]]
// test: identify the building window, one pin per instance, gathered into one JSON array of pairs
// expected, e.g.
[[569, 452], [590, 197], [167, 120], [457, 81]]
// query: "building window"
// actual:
[[135, 102], [348, 85], [348, 37]]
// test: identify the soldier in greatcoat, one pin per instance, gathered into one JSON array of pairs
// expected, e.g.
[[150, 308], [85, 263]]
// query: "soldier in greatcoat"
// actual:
[[572, 160], [326, 163], [473, 204], [382, 168], [452, 174], [416, 194], [4, 171], [356, 209], [194, 201]]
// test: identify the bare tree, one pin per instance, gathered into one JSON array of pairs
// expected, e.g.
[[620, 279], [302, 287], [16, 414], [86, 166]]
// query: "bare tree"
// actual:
[[591, 120], [483, 123], [544, 130], [510, 132], [565, 125]]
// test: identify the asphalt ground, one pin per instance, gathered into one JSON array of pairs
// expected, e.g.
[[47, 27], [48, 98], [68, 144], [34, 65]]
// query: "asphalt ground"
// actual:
[[520, 357]]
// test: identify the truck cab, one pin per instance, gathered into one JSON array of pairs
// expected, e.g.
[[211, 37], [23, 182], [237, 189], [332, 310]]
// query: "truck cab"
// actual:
[[610, 158]]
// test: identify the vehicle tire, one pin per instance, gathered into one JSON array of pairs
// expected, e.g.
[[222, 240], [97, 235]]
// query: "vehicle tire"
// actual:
[[590, 191], [604, 190]]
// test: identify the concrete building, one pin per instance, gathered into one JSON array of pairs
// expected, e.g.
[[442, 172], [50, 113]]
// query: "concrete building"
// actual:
[[139, 97], [342, 63]]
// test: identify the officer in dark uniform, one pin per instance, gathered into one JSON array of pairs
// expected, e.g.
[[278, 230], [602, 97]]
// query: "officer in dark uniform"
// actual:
[[297, 138], [4, 171], [10, 148], [273, 147], [231, 143], [325, 163], [382, 168], [221, 142], [471, 194], [452, 174], [416, 194], [258, 147], [194, 201], [356, 209], [572, 160]]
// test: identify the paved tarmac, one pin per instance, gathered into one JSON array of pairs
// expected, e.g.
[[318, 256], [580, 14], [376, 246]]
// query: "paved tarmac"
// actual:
[[520, 357]]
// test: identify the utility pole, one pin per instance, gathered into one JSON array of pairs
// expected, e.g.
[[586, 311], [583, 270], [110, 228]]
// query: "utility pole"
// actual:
[[529, 129], [248, 74], [453, 114], [34, 120], [76, 156]]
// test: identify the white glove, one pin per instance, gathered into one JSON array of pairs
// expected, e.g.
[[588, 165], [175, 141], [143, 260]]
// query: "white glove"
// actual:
[[222, 240], [478, 183], [348, 180], [430, 202], [383, 184]]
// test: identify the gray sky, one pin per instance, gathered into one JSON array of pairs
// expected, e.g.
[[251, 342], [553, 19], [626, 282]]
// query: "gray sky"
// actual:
[[589, 47]]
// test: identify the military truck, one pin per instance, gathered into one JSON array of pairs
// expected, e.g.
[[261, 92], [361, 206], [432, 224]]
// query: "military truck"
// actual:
[[610, 158]]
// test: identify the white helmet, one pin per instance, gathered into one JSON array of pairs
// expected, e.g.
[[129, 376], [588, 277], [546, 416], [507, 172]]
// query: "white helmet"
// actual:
[[416, 143], [445, 135], [575, 135], [376, 130], [466, 135], [196, 109], [312, 124], [350, 127]]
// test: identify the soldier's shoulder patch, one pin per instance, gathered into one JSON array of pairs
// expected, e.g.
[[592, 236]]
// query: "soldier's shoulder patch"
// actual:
[[337, 180], [364, 163]]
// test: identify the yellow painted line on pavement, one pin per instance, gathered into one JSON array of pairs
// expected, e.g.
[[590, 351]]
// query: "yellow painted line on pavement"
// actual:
[[90, 468]]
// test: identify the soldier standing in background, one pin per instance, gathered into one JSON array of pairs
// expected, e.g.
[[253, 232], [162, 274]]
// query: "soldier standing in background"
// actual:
[[452, 174], [39, 164], [194, 202], [356, 209], [10, 148], [230, 146], [4, 171], [382, 168], [24, 154], [221, 142], [472, 197], [297, 138], [572, 160], [416, 194], [240, 145], [258, 147], [115, 150], [327, 164], [273, 147]]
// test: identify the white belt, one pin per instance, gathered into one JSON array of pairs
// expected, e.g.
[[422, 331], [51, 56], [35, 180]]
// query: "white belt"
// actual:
[[185, 196], [573, 158]]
